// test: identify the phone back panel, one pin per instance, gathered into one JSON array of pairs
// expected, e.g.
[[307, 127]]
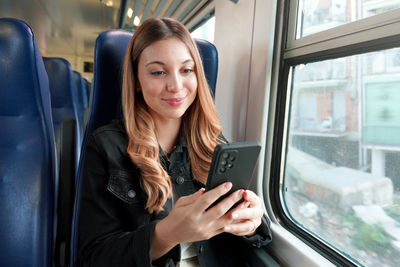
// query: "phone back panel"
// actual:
[[233, 162]]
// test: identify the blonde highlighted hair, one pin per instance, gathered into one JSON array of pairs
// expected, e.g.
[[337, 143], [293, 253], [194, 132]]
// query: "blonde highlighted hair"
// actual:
[[200, 122]]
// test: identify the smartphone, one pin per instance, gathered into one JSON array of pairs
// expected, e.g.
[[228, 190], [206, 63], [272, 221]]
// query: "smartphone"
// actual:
[[233, 162]]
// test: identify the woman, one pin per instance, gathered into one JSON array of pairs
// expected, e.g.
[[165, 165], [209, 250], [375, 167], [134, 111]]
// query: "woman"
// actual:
[[143, 199]]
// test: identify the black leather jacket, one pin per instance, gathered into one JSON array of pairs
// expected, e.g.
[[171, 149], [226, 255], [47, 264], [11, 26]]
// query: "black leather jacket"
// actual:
[[115, 229]]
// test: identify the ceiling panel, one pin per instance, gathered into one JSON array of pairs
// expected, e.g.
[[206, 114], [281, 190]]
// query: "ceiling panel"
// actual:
[[64, 27], [181, 10], [70, 27]]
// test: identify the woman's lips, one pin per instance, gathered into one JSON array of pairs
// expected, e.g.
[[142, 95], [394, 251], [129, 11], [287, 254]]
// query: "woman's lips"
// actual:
[[175, 101]]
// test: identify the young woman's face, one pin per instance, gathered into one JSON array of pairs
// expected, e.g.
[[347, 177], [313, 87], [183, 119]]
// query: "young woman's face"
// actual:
[[167, 78]]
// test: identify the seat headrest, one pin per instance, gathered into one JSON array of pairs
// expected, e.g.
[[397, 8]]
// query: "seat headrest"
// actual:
[[63, 95], [209, 56], [20, 56], [61, 80], [109, 56]]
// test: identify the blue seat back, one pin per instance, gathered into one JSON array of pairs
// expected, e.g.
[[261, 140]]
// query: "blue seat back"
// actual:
[[109, 56], [63, 97], [105, 104], [209, 56], [27, 150], [88, 87], [81, 97]]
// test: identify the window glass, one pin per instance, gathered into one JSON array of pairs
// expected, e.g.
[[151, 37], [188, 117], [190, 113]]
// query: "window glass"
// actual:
[[205, 31], [318, 15], [342, 166]]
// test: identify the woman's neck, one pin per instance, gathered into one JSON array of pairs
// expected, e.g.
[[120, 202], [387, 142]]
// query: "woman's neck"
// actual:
[[167, 132]]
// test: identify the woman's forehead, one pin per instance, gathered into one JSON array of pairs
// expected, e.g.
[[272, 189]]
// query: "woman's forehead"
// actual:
[[166, 50]]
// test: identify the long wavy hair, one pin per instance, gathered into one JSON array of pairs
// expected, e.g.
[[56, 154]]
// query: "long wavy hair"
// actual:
[[200, 122]]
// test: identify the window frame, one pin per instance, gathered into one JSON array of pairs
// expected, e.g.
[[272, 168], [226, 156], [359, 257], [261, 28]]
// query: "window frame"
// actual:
[[362, 36], [371, 34], [207, 16]]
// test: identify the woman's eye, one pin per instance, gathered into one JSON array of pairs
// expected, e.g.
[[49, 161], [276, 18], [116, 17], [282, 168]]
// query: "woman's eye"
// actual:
[[157, 73], [188, 70]]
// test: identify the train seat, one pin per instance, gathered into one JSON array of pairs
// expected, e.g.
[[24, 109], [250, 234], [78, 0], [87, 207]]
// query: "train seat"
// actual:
[[209, 56], [67, 122], [105, 104], [28, 167], [63, 98]]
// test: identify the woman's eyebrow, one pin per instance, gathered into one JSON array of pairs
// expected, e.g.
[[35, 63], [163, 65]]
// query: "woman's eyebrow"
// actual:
[[155, 62], [187, 60], [162, 63]]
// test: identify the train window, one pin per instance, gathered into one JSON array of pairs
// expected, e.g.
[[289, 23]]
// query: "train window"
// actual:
[[342, 172], [315, 16], [206, 30], [336, 146]]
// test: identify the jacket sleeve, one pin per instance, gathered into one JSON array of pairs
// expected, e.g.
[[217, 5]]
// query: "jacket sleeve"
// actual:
[[263, 235], [103, 236]]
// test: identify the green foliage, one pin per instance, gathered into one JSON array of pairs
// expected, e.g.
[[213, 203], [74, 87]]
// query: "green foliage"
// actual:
[[394, 212], [368, 237], [372, 237], [352, 218]]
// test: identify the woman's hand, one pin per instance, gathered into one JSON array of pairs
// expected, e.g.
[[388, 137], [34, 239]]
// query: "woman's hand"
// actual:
[[246, 216], [190, 219]]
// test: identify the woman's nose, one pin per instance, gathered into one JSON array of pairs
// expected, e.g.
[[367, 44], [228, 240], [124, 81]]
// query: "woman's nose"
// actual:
[[174, 83]]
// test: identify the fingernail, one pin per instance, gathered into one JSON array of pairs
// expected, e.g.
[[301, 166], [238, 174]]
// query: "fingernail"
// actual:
[[228, 185], [202, 190], [227, 228], [241, 192]]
